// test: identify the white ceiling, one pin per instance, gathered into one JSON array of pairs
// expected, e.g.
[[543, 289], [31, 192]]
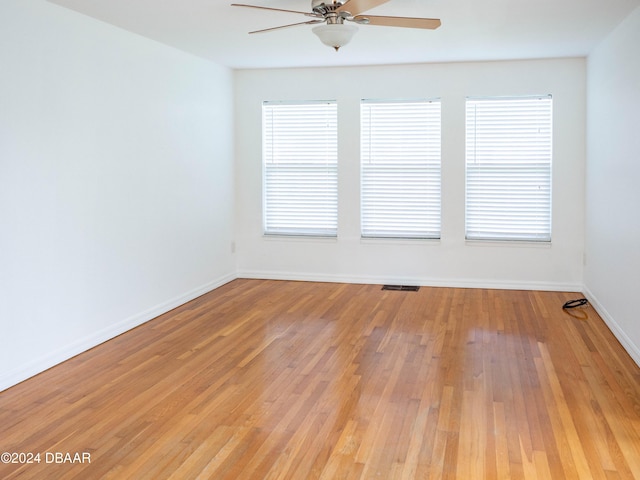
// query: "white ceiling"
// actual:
[[471, 30]]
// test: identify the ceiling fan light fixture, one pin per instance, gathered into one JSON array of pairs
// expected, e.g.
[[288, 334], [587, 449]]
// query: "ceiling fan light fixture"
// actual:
[[335, 35]]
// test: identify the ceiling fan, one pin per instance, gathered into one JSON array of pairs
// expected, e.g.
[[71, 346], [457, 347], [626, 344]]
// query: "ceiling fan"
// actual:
[[333, 13]]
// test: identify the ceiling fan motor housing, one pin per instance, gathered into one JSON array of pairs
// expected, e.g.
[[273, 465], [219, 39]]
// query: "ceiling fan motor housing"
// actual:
[[326, 6]]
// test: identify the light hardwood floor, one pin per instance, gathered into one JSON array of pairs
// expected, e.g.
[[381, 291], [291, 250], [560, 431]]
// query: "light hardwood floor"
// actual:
[[269, 380]]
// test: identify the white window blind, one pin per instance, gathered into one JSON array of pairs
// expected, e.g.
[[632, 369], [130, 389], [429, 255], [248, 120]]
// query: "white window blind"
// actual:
[[508, 168], [400, 169], [300, 156]]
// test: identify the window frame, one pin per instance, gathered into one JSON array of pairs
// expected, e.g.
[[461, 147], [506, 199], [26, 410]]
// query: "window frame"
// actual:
[[530, 150], [289, 220], [413, 208]]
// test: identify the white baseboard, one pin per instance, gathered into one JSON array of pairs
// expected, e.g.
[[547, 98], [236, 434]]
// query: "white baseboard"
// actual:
[[632, 349], [421, 281], [41, 364]]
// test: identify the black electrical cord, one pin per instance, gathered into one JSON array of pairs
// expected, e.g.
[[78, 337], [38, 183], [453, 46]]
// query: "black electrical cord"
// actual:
[[575, 303]]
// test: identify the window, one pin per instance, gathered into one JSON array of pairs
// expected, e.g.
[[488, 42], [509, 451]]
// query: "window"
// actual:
[[300, 157], [400, 169], [508, 160]]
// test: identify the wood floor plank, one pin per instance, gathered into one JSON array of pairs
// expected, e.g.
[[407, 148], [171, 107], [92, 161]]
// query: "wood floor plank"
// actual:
[[291, 380]]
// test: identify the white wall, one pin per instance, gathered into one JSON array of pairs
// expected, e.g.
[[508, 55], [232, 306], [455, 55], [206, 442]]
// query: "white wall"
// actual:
[[612, 273], [451, 261], [116, 182]]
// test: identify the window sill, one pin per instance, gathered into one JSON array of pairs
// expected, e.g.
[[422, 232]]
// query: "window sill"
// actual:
[[508, 243], [399, 241], [273, 237]]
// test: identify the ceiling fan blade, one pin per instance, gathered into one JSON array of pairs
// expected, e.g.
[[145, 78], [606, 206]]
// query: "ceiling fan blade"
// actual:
[[310, 22], [406, 22], [354, 7], [307, 14]]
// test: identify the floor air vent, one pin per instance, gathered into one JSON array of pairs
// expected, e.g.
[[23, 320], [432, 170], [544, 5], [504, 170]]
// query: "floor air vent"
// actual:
[[401, 288]]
